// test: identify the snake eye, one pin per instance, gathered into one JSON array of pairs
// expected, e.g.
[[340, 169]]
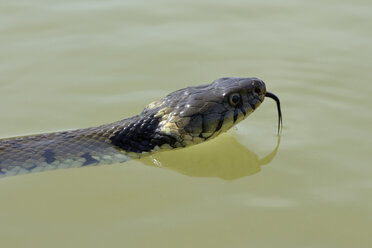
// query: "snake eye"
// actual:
[[234, 99]]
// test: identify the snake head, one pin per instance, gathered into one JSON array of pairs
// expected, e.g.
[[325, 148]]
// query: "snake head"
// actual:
[[192, 115], [195, 114]]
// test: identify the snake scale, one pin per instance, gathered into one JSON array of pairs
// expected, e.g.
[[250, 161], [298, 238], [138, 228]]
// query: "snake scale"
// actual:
[[185, 117]]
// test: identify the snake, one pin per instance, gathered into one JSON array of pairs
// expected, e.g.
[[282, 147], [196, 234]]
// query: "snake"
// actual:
[[185, 117]]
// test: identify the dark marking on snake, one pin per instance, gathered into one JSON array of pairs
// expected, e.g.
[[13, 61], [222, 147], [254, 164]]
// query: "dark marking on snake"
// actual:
[[142, 135], [236, 114], [49, 156], [203, 127], [220, 122], [253, 106], [243, 110], [88, 159]]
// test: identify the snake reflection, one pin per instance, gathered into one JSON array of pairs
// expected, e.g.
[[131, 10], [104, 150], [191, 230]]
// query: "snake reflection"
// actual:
[[232, 162]]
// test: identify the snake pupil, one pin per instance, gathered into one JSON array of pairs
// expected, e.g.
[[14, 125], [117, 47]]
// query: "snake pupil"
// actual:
[[234, 99]]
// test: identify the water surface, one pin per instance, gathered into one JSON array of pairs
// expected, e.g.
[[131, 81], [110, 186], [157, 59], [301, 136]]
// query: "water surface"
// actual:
[[74, 64]]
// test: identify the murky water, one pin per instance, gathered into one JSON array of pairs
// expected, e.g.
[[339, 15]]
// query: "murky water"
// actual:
[[70, 64]]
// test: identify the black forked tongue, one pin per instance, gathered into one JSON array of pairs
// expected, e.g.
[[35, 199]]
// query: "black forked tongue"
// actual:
[[276, 99]]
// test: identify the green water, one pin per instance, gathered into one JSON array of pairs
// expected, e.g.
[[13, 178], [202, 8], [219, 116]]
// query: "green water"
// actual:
[[71, 64]]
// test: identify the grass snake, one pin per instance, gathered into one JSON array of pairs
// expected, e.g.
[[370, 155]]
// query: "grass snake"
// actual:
[[185, 117]]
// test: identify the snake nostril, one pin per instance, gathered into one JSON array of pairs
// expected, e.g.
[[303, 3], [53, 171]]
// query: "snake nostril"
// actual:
[[257, 90]]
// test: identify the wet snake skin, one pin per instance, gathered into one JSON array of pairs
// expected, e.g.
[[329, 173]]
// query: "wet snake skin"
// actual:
[[185, 117]]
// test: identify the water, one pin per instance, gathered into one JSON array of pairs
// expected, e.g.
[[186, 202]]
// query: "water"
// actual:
[[74, 64]]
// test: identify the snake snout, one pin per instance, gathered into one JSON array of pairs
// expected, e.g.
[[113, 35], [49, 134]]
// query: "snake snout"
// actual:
[[256, 90], [259, 87]]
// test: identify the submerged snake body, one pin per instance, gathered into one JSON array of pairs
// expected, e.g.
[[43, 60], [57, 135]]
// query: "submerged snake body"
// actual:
[[185, 117]]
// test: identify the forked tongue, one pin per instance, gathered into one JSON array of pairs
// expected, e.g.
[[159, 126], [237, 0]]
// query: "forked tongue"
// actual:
[[276, 99]]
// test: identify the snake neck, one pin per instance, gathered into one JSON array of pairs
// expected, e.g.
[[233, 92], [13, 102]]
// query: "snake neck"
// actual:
[[106, 144], [143, 134]]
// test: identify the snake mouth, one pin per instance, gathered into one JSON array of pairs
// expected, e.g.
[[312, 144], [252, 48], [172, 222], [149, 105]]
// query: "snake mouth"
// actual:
[[276, 99]]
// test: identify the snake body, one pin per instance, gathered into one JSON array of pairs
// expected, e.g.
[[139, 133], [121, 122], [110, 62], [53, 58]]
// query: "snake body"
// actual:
[[185, 117]]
